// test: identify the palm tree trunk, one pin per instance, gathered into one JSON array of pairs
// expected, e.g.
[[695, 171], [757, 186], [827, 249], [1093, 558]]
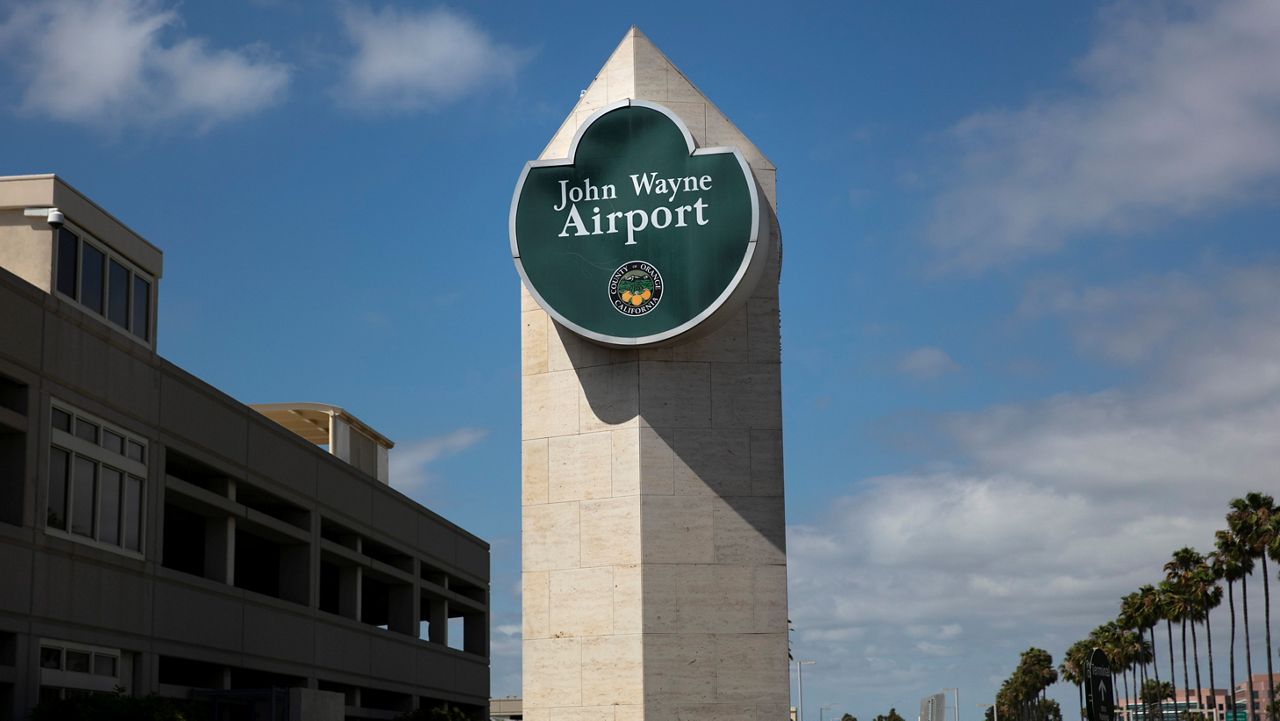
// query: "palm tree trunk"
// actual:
[[1080, 693], [1186, 677], [1266, 607], [1155, 666], [1195, 652], [1248, 649], [1128, 708], [1208, 644], [1231, 601], [1173, 678]]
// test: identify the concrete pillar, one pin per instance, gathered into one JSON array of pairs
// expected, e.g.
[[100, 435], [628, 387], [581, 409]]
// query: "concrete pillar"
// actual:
[[654, 563]]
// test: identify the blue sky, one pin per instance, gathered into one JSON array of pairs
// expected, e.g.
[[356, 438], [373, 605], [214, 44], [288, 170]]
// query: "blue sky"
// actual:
[[1029, 291]]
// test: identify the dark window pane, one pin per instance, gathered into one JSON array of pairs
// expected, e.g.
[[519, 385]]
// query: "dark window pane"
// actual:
[[104, 665], [137, 452], [113, 442], [61, 420], [91, 269], [82, 499], [118, 295], [141, 308], [109, 506], [58, 467], [68, 249], [133, 513], [78, 661], [87, 430], [50, 657]]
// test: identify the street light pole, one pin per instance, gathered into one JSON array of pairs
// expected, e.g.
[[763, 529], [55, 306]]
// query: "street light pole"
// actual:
[[995, 710], [800, 687]]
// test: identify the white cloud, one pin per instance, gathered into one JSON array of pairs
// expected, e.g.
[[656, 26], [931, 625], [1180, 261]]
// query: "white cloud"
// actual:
[[1051, 509], [1175, 117], [409, 463], [926, 363], [408, 60], [111, 64]]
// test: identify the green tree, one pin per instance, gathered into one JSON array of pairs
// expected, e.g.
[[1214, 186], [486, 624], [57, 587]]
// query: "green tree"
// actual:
[[447, 712], [893, 715], [848, 717]]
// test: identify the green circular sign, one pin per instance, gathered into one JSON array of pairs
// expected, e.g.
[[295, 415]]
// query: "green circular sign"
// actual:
[[638, 236]]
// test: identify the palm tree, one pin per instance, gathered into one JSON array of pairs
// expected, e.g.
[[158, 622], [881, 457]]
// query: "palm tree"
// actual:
[[1233, 563], [1072, 668], [1204, 582], [1252, 520], [1162, 606], [1148, 616], [1179, 605]]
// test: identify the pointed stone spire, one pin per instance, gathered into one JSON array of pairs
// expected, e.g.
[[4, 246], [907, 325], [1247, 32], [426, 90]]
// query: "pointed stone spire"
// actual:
[[638, 70]]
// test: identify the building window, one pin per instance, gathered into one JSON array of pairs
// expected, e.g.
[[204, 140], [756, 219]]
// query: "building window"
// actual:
[[104, 283], [96, 477], [68, 669]]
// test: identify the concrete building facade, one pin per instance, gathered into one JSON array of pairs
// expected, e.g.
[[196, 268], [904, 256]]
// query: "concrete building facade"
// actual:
[[654, 560], [158, 536]]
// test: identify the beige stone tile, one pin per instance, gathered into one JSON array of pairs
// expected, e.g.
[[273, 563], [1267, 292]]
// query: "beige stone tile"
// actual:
[[768, 181], [660, 353], [535, 713], [767, 711], [567, 350], [713, 462], [629, 712], [533, 342], [596, 95], [717, 712], [535, 600], [533, 471], [579, 467], [626, 462], [551, 536], [527, 303], [694, 116], [610, 396], [771, 599], [752, 667], [657, 461], [551, 672], [661, 597], [558, 148], [679, 89], [549, 405], [612, 670], [678, 529], [583, 713], [746, 395], [763, 330], [611, 531], [767, 287], [766, 463], [750, 530], [628, 595], [716, 599], [680, 668], [675, 395], [728, 343], [650, 76], [581, 602], [620, 74]]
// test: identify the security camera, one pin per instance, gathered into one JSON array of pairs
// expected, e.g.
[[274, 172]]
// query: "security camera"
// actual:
[[56, 219]]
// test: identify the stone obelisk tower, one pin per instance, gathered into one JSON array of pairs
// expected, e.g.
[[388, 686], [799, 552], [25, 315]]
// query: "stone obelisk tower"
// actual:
[[654, 561]]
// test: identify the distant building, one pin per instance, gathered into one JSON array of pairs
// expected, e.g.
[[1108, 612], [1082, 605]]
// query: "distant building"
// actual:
[[1215, 704], [933, 707], [158, 536]]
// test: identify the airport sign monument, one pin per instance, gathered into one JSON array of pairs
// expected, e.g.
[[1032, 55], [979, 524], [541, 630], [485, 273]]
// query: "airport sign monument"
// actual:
[[653, 546]]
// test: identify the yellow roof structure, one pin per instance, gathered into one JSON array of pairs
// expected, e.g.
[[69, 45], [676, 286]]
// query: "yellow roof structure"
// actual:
[[313, 421]]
